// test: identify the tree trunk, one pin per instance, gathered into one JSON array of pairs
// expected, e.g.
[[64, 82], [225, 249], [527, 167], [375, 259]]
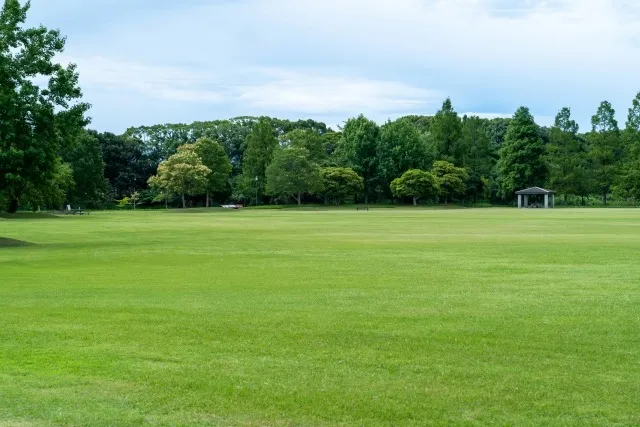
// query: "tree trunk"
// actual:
[[366, 199], [299, 199], [184, 202], [207, 200], [13, 206], [604, 197], [415, 201]]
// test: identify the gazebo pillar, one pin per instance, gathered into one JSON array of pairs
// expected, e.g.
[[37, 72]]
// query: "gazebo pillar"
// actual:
[[546, 201], [519, 201], [526, 200]]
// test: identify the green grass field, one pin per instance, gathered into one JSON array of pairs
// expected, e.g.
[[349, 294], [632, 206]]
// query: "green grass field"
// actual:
[[338, 317]]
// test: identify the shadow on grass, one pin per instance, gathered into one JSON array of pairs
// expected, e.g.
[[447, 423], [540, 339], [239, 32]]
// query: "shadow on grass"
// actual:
[[12, 243], [28, 215]]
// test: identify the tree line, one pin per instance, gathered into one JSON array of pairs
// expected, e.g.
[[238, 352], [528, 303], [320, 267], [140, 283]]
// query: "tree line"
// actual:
[[48, 158]]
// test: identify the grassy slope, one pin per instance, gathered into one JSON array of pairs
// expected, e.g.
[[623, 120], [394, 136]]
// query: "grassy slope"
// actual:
[[385, 317]]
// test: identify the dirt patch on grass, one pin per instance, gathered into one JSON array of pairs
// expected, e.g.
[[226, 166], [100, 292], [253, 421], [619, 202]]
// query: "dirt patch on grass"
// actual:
[[12, 243]]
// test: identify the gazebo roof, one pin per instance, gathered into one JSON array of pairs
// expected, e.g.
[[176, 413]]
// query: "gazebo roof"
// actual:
[[534, 191]]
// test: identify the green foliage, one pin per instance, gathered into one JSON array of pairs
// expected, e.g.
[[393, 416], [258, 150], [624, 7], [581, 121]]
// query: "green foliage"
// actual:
[[259, 149], [452, 180], [357, 150], [478, 157], [521, 163], [567, 157], [605, 149], [85, 158], [445, 133], [416, 184], [183, 174], [292, 173], [308, 140], [53, 192], [35, 121], [214, 157], [340, 184], [400, 148]]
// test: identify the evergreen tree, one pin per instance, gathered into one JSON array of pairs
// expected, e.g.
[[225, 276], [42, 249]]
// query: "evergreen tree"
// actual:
[[605, 149], [521, 163], [259, 149], [445, 134]]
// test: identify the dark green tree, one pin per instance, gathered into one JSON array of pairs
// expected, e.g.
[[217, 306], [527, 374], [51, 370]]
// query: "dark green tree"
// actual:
[[445, 133], [214, 157], [340, 184], [308, 140], [521, 163], [478, 158], [357, 150], [259, 148], [292, 173], [85, 158], [35, 121], [605, 149], [567, 157], [400, 148]]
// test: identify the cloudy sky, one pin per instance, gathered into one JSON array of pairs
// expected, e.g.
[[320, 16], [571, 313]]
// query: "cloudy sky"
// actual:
[[161, 61]]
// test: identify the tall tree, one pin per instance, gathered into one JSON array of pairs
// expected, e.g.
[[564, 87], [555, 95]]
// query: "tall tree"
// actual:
[[400, 148], [605, 148], [415, 184], [183, 174], [308, 140], [85, 158], [567, 157], [35, 121], [292, 173], [259, 149], [445, 133], [340, 184], [521, 163], [127, 167], [358, 150], [214, 157], [478, 156]]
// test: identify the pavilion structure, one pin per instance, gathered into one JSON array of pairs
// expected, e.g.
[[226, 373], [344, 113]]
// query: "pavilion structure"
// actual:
[[523, 197]]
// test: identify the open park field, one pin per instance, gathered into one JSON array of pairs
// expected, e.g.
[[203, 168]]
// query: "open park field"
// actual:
[[310, 317]]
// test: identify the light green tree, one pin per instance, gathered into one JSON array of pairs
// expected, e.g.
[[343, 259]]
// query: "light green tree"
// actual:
[[416, 184], [341, 183], [182, 174], [452, 180]]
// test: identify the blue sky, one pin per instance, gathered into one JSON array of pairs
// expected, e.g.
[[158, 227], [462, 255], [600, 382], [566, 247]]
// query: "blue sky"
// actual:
[[145, 62]]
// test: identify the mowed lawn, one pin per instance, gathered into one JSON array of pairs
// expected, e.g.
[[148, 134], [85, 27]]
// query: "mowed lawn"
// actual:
[[311, 317]]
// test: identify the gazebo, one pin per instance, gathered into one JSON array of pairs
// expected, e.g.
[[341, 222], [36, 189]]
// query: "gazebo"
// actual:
[[523, 197]]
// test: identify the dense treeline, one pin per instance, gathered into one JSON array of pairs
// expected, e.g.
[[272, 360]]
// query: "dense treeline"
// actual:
[[443, 158], [48, 159]]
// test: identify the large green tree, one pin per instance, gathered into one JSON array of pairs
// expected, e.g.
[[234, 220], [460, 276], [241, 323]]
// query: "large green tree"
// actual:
[[452, 180], [567, 157], [292, 173], [478, 158], [309, 140], [85, 158], [400, 148], [259, 148], [214, 157], [183, 174], [358, 150], [35, 119], [415, 184], [445, 133], [521, 163], [605, 149], [340, 184]]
